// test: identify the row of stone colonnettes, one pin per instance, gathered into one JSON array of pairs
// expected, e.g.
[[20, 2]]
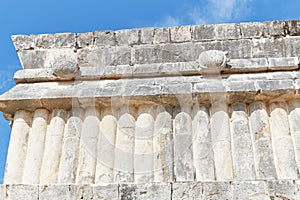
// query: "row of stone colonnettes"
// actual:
[[153, 143]]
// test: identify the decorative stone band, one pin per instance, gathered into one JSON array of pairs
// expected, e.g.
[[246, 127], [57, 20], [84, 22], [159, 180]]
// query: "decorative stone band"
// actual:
[[163, 69], [285, 189], [153, 143]]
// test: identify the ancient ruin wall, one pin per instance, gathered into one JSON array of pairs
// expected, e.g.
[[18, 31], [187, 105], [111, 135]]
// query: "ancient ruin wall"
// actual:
[[188, 112]]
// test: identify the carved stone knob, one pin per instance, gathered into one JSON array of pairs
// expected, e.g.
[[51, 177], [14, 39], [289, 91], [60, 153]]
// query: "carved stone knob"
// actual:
[[64, 67], [213, 60]]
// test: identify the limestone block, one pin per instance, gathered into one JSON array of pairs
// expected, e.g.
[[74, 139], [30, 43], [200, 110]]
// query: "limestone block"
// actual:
[[281, 189], [3, 192], [127, 37], [145, 191], [84, 39], [32, 59], [23, 42], [262, 145], [17, 150], [62, 62], [21, 192], [250, 190], [187, 191], [49, 192], [181, 34], [292, 46], [183, 146], [294, 27], [217, 190], [163, 145], [204, 32], [147, 35], [88, 146], [143, 150], [289, 63], [220, 130], [36, 145], [53, 147], [269, 85], [227, 31], [277, 28], [44, 41], [124, 158], [202, 145], [70, 148], [285, 162], [101, 57], [81, 191], [104, 38], [294, 117], [64, 40], [237, 49], [242, 150], [265, 47], [253, 30], [161, 35], [108, 191], [106, 148], [247, 65], [297, 186]]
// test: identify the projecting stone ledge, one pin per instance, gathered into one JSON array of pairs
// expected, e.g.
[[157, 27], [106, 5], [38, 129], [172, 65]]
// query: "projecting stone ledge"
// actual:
[[285, 189]]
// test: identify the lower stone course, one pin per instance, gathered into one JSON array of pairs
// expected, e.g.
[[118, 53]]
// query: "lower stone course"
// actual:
[[258, 190]]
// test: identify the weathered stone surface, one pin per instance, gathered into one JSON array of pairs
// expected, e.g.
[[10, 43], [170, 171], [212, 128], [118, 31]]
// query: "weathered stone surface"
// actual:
[[18, 147], [20, 192], [186, 191], [204, 32], [23, 42], [32, 58], [253, 30], [294, 27], [44, 41], [282, 189], [241, 144], [250, 190], [109, 191], [247, 65], [202, 145], [35, 149], [220, 129], [213, 60], [70, 148], [262, 144], [265, 47], [283, 63], [88, 146], [161, 35], [65, 40], [48, 192], [104, 38], [84, 39], [277, 28], [217, 190], [227, 32], [183, 146], [81, 191], [53, 145], [3, 192], [292, 46], [284, 154], [147, 35], [127, 37], [181, 34], [145, 191]]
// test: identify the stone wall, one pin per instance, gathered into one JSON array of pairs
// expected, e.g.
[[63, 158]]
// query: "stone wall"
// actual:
[[190, 112]]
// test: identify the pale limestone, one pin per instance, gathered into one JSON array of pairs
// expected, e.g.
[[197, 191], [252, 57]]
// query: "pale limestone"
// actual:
[[187, 191], [88, 146], [242, 150], [53, 146], [262, 144], [255, 190], [21, 192], [106, 191], [106, 148], [217, 190], [81, 191], [17, 150], [283, 148], [144, 154], [163, 145], [124, 158], [183, 146], [70, 148], [49, 192], [202, 145], [294, 117], [281, 189], [36, 145], [3, 192], [221, 141], [181, 34]]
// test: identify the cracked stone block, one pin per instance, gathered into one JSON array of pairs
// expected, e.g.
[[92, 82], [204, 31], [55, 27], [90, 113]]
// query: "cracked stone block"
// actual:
[[265, 47], [204, 32], [283, 189], [21, 192], [186, 191], [147, 35], [181, 34], [32, 59], [277, 28], [294, 27], [217, 190], [23, 42], [227, 31], [44, 41], [79, 192], [104, 38], [49, 192], [109, 191], [292, 46], [127, 37], [253, 30], [3, 192], [161, 35], [290, 63], [254, 190], [64, 40]]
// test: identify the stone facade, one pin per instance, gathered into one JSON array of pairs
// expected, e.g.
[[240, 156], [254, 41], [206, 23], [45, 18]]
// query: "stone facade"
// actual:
[[190, 112]]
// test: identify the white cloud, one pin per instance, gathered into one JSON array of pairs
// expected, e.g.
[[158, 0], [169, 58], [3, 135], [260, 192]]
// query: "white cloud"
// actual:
[[212, 11]]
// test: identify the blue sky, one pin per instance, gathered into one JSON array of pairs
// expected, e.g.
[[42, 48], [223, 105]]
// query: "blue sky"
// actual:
[[37, 16]]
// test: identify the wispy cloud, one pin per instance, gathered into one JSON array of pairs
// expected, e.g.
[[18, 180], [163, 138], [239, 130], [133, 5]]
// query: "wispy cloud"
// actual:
[[210, 11]]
